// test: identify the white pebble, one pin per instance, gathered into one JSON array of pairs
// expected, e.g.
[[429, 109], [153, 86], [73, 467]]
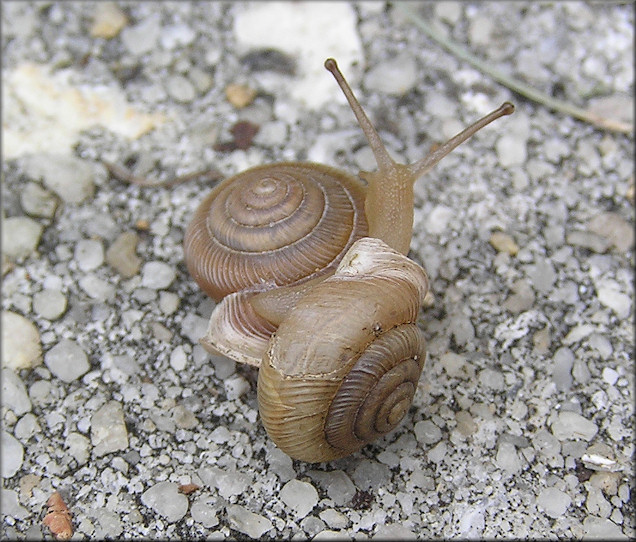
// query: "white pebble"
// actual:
[[21, 347], [49, 304], [11, 455], [334, 518], [89, 254], [554, 502], [426, 432], [77, 446], [438, 219], [164, 498], [610, 376], [67, 361], [69, 177], [108, 429], [438, 453], [508, 459], [157, 275], [570, 425], [300, 497], [20, 237], [235, 387], [142, 38], [168, 302], [204, 512], [246, 522], [397, 75], [14, 393], [610, 295], [177, 34], [178, 359], [511, 150], [97, 288]]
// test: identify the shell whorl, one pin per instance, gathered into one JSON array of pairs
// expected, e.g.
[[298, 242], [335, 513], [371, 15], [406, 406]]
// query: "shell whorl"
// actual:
[[326, 394], [275, 225]]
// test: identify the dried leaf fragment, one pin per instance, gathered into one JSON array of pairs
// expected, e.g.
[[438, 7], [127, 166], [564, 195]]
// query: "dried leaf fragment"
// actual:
[[186, 489], [58, 518]]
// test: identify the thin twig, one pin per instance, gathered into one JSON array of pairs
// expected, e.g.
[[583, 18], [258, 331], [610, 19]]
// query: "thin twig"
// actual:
[[125, 175], [514, 84]]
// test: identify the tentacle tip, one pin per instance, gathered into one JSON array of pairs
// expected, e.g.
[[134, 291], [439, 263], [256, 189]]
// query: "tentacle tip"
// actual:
[[331, 65], [507, 108]]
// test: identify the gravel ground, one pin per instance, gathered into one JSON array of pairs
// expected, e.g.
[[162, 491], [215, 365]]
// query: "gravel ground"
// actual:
[[523, 424]]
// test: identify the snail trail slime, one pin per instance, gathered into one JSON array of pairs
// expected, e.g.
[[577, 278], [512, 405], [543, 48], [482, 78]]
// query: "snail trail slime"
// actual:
[[308, 264]]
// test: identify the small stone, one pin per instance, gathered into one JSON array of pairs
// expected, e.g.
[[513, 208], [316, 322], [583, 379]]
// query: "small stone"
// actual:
[[157, 275], [562, 368], [77, 446], [178, 359], [143, 37], [439, 218], [166, 500], [108, 20], [542, 276], [180, 89], [502, 242], [394, 531], [69, 177], [96, 288], [508, 458], [26, 427], [610, 376], [570, 425], [11, 507], [300, 497], [20, 237], [588, 240], [49, 304], [228, 483], [465, 423], [339, 487], [36, 201], [240, 96], [280, 464], [602, 529], [614, 228], [21, 347], [108, 429], [610, 295], [11, 455], [177, 35], [14, 393], [235, 387], [492, 379], [370, 474], [334, 518], [204, 512], [426, 432], [246, 522], [121, 255], [438, 453], [397, 75], [89, 254], [168, 302], [522, 299], [328, 534], [67, 361], [554, 502], [511, 150]]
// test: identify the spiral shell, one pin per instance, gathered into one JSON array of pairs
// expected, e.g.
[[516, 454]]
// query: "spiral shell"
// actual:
[[325, 394], [274, 225]]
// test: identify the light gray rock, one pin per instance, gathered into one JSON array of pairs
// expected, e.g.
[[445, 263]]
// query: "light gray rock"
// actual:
[[157, 275], [10, 505], [12, 455], [121, 255], [14, 393], [89, 254], [21, 348], [36, 201], [228, 483], [397, 76], [49, 304], [426, 432], [108, 429], [570, 425], [370, 474], [300, 497], [246, 522], [142, 38], [554, 502], [20, 237], [69, 177], [67, 361], [164, 498]]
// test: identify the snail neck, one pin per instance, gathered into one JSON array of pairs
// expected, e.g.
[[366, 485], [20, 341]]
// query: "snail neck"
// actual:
[[389, 205]]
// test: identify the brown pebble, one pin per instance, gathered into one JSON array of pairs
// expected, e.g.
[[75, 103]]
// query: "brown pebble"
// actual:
[[240, 96], [502, 242], [122, 257]]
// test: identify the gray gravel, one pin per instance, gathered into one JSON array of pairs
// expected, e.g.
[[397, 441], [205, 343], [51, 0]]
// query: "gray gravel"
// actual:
[[523, 424]]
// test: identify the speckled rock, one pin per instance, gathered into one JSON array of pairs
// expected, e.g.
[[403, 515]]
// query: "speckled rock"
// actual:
[[21, 348]]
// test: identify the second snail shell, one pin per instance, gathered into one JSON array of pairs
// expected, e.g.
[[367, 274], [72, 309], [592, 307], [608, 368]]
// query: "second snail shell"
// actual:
[[364, 316]]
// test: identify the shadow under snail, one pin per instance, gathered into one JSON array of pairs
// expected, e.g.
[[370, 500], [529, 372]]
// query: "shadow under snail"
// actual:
[[308, 264]]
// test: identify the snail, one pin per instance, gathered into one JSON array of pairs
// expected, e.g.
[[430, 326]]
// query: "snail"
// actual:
[[297, 253]]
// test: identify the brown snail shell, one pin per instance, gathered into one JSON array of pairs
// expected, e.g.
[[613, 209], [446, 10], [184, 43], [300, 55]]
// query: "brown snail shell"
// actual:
[[273, 226], [325, 394]]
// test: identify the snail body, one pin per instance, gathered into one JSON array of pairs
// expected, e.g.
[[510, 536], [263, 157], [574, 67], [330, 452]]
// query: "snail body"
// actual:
[[308, 264]]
